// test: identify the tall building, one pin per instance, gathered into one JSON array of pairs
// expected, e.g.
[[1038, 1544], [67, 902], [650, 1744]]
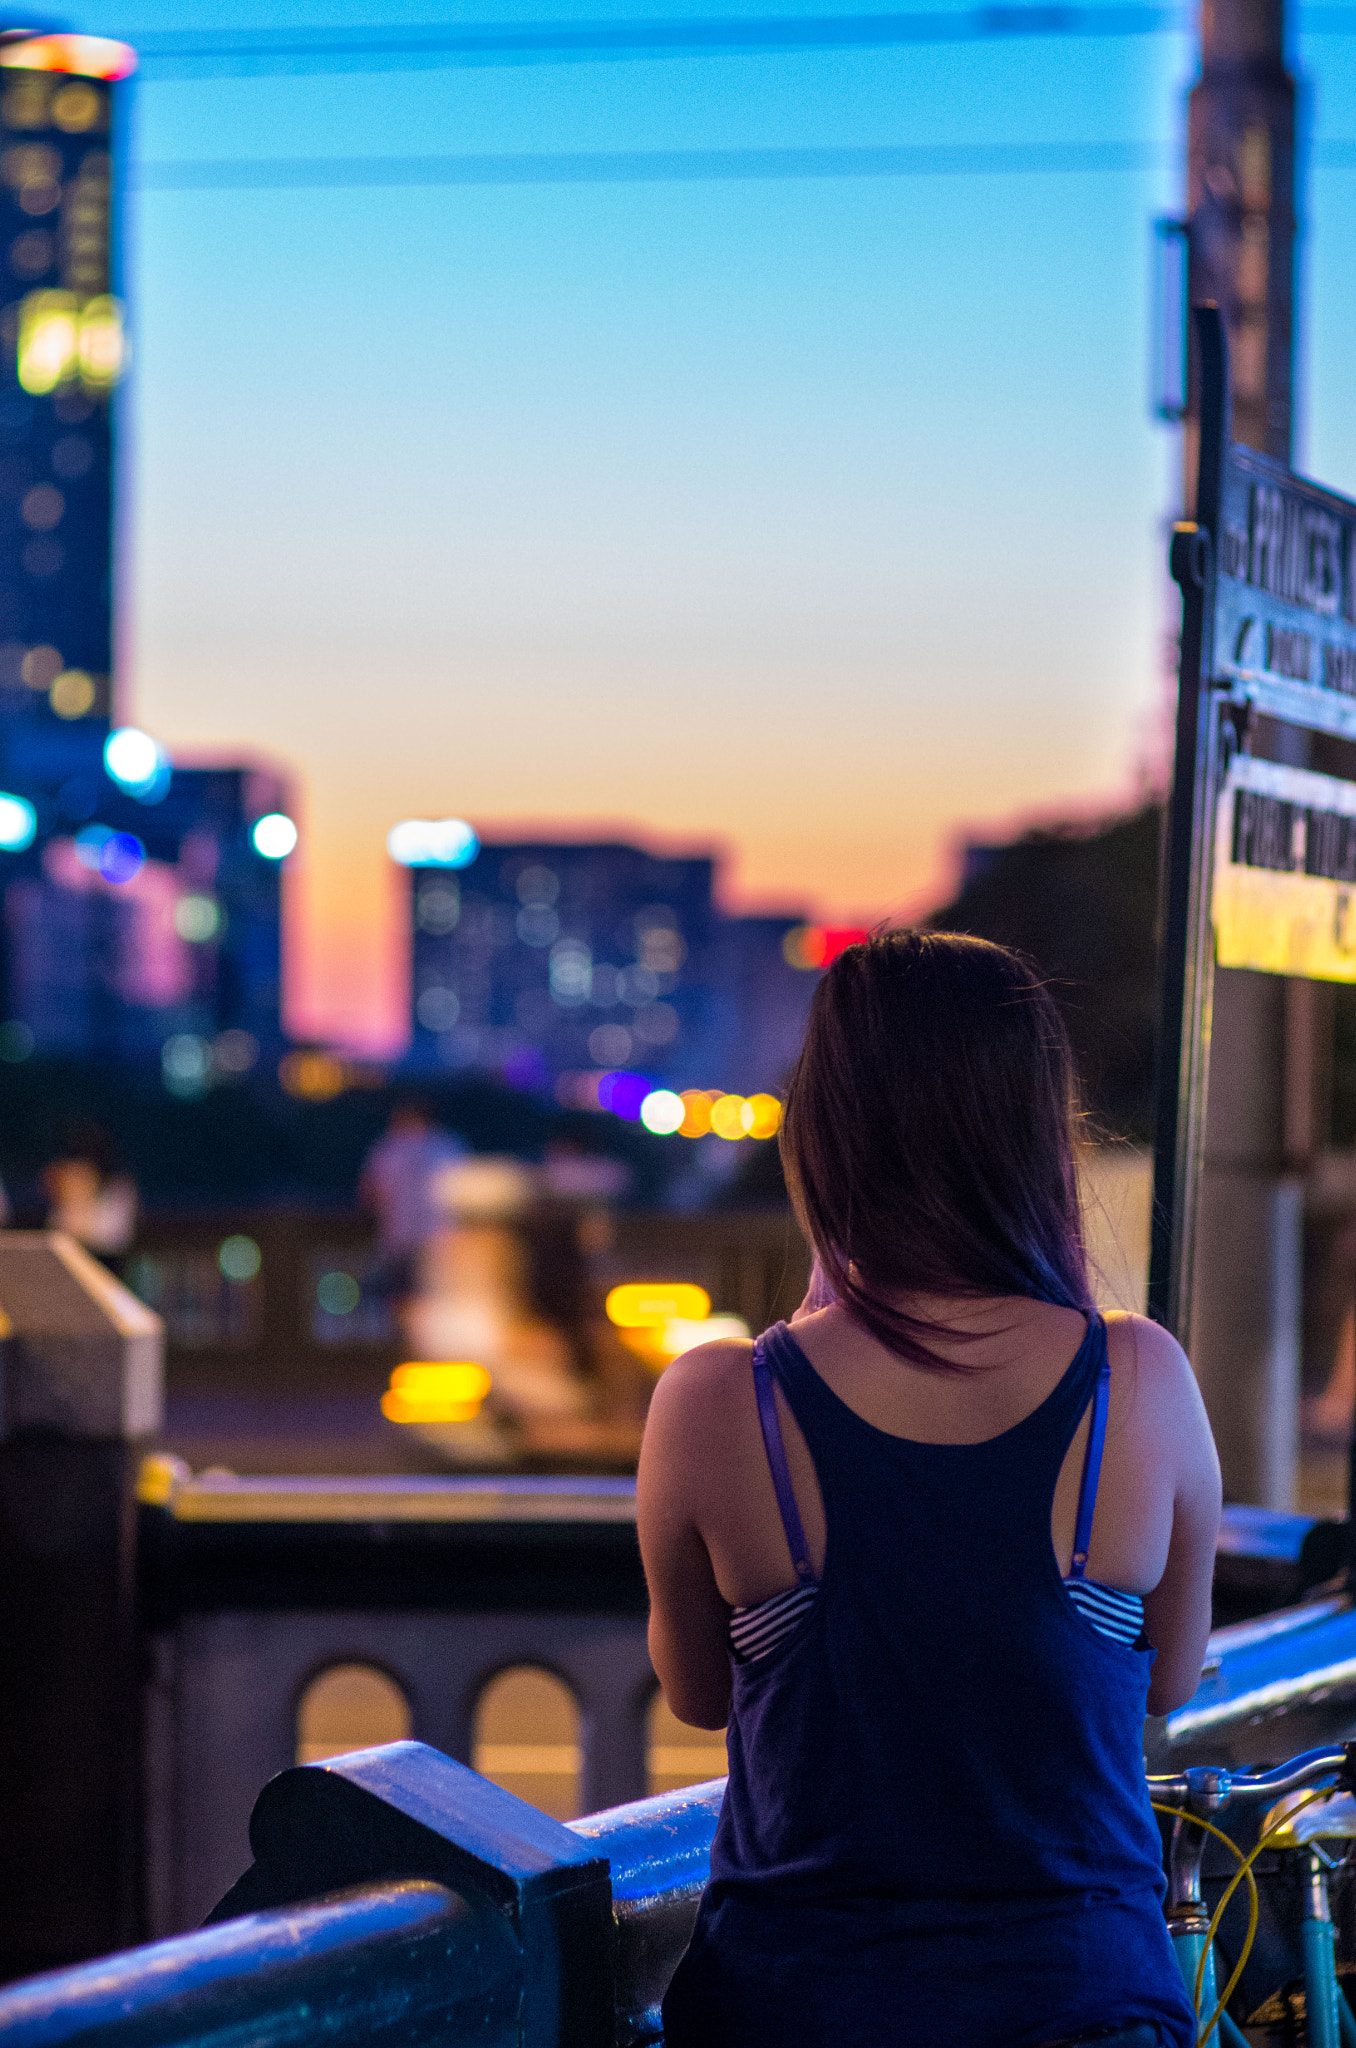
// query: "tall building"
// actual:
[[139, 905], [542, 961], [61, 356], [146, 931]]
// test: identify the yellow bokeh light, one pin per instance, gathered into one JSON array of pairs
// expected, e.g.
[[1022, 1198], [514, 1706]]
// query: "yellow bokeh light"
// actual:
[[649, 1304], [762, 1116], [727, 1117], [427, 1392], [313, 1076], [49, 340], [101, 348], [697, 1118], [72, 694]]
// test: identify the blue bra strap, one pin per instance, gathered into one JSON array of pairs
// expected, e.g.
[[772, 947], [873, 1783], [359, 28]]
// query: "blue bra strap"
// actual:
[[1092, 1468], [776, 1458]]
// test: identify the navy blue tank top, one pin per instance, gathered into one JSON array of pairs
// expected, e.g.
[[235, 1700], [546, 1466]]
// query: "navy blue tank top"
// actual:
[[936, 1828]]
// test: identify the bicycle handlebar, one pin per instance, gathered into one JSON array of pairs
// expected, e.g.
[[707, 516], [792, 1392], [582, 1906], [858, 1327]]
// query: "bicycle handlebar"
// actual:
[[1207, 1789]]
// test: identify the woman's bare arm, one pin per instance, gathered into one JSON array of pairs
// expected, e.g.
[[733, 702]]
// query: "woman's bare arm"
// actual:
[[1177, 1612], [688, 1617]]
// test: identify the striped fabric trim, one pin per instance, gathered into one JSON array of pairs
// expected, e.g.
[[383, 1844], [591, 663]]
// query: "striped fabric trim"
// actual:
[[756, 1631], [1118, 1615]]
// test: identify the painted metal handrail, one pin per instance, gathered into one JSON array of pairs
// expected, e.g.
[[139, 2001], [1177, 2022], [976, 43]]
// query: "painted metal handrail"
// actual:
[[405, 1961]]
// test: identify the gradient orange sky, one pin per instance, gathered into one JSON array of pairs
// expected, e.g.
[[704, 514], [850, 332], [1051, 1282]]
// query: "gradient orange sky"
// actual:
[[821, 520]]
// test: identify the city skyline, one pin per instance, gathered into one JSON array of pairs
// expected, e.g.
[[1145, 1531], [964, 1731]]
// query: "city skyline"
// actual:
[[815, 519]]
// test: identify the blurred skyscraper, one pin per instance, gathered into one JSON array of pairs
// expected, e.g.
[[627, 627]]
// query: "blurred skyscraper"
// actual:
[[141, 915], [545, 962]]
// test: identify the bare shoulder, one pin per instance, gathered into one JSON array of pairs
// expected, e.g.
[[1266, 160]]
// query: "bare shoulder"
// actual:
[[1164, 1401], [1152, 1354], [698, 1393]]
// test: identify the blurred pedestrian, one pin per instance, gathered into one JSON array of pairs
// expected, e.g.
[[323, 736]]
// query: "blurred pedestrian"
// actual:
[[399, 1187], [90, 1194]]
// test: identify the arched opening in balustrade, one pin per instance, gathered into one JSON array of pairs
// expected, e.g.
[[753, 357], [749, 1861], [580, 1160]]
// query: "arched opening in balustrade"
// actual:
[[349, 1706], [676, 1755], [527, 1738]]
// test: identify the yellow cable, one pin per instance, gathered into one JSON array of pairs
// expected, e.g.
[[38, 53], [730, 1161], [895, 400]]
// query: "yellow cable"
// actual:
[[1244, 1870]]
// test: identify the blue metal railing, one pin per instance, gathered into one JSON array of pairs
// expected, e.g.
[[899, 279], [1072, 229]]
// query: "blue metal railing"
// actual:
[[398, 1897]]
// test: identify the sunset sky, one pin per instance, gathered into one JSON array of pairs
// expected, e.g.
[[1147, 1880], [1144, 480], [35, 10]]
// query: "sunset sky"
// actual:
[[816, 517]]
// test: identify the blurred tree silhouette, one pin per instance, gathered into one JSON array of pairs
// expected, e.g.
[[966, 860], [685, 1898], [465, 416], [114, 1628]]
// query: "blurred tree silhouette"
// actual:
[[1083, 905]]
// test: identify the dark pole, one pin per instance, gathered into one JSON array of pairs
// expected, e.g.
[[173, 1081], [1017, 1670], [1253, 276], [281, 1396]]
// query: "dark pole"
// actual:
[[1184, 1031]]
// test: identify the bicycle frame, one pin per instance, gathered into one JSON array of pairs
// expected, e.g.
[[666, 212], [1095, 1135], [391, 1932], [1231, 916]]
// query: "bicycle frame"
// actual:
[[1303, 1811]]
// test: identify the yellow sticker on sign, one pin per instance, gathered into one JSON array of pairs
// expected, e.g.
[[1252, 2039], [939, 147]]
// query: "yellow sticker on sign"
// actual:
[[1284, 898]]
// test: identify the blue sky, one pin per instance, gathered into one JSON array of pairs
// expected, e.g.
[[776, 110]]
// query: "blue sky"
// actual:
[[820, 518]]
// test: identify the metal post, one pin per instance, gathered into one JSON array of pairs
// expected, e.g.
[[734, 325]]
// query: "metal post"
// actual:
[[1184, 1034]]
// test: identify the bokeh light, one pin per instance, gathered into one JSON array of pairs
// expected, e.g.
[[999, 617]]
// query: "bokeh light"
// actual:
[[313, 1075], [239, 1257], [432, 843], [608, 1044], [663, 1112], [18, 822], [136, 762], [197, 919], [431, 1392], [72, 694], [762, 1116], [649, 1304], [696, 1113], [274, 835], [813, 947], [186, 1064], [682, 1333], [85, 56], [727, 1117], [623, 1094], [117, 856], [338, 1293], [234, 1052]]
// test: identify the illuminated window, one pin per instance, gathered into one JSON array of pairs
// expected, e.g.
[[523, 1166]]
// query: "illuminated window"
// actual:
[[571, 973], [31, 254], [437, 907], [656, 1024], [40, 667], [676, 1755], [637, 985], [527, 1739], [538, 885], [72, 694], [77, 108], [197, 919], [536, 925], [348, 1707], [610, 1044], [438, 1008]]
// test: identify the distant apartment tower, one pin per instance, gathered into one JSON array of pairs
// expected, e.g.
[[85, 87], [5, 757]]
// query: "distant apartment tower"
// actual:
[[537, 958], [144, 932], [61, 356], [540, 960], [139, 920]]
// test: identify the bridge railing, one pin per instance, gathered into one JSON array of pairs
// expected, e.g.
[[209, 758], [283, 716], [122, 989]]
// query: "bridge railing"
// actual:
[[397, 1897]]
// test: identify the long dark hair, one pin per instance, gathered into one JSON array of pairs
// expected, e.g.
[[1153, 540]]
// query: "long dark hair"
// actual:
[[928, 1134]]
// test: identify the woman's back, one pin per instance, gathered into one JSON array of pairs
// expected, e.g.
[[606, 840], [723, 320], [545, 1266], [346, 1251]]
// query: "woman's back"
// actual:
[[924, 1549], [1158, 1461], [942, 1741]]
